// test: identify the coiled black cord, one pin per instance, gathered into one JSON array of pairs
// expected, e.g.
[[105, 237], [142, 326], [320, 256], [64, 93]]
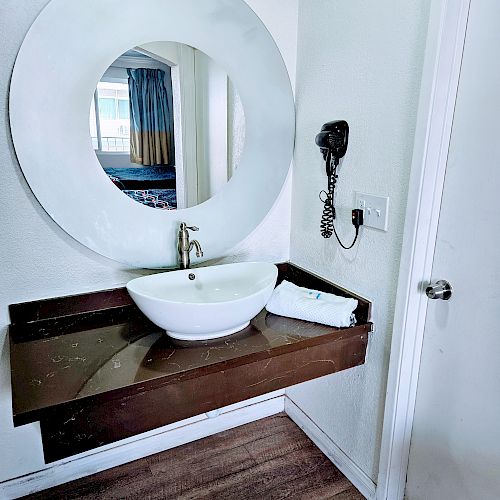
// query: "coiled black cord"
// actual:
[[328, 210], [327, 226]]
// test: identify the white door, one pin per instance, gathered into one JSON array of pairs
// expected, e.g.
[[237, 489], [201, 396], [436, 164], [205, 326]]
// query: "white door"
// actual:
[[455, 445]]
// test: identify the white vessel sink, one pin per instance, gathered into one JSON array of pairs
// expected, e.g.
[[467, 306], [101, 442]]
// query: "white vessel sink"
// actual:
[[219, 301]]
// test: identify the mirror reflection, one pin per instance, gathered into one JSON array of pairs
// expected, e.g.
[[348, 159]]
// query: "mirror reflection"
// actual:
[[167, 125]]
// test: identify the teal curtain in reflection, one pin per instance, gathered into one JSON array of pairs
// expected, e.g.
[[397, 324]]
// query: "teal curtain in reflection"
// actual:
[[151, 117]]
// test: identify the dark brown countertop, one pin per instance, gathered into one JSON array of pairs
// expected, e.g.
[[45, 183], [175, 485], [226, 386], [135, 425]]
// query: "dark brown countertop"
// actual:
[[72, 355]]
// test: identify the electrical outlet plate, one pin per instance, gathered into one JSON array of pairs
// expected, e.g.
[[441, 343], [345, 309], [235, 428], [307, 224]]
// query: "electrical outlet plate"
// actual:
[[375, 210]]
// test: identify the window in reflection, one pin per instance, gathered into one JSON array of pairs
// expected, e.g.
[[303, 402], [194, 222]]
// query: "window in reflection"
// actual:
[[111, 132]]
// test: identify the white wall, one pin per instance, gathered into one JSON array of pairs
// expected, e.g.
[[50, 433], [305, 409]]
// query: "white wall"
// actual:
[[359, 61], [212, 126], [37, 259], [235, 129]]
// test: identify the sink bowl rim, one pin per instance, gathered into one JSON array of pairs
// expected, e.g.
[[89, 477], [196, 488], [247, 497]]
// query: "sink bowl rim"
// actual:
[[149, 296]]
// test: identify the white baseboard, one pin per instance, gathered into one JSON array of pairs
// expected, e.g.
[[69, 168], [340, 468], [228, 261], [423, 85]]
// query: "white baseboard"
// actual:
[[181, 433], [141, 446], [358, 478]]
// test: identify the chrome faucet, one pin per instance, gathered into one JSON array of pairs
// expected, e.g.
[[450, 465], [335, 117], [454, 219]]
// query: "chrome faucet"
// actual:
[[184, 246]]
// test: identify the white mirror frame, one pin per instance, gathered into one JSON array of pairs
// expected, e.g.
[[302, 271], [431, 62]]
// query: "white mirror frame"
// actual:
[[65, 53]]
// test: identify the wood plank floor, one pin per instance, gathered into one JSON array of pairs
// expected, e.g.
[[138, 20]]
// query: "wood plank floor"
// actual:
[[268, 459]]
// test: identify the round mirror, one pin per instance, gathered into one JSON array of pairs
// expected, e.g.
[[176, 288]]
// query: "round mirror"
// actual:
[[167, 125], [65, 54]]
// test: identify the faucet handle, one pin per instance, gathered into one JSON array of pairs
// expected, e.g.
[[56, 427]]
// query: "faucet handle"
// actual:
[[185, 226]]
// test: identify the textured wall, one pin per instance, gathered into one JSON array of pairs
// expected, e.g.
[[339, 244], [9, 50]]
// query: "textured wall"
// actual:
[[359, 61], [39, 260]]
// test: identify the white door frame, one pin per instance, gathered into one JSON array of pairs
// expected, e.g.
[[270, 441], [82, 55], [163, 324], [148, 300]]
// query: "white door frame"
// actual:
[[440, 76]]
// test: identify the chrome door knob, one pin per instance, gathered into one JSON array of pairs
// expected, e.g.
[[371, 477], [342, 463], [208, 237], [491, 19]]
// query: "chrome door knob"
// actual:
[[439, 290]]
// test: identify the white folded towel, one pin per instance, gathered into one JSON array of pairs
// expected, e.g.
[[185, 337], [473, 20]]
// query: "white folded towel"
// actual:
[[312, 305]]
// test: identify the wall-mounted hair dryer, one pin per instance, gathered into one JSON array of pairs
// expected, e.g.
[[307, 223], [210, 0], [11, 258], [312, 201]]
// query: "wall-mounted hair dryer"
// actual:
[[332, 141]]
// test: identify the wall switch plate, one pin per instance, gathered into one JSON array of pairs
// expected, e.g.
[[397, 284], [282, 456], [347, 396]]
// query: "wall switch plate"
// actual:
[[375, 210]]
